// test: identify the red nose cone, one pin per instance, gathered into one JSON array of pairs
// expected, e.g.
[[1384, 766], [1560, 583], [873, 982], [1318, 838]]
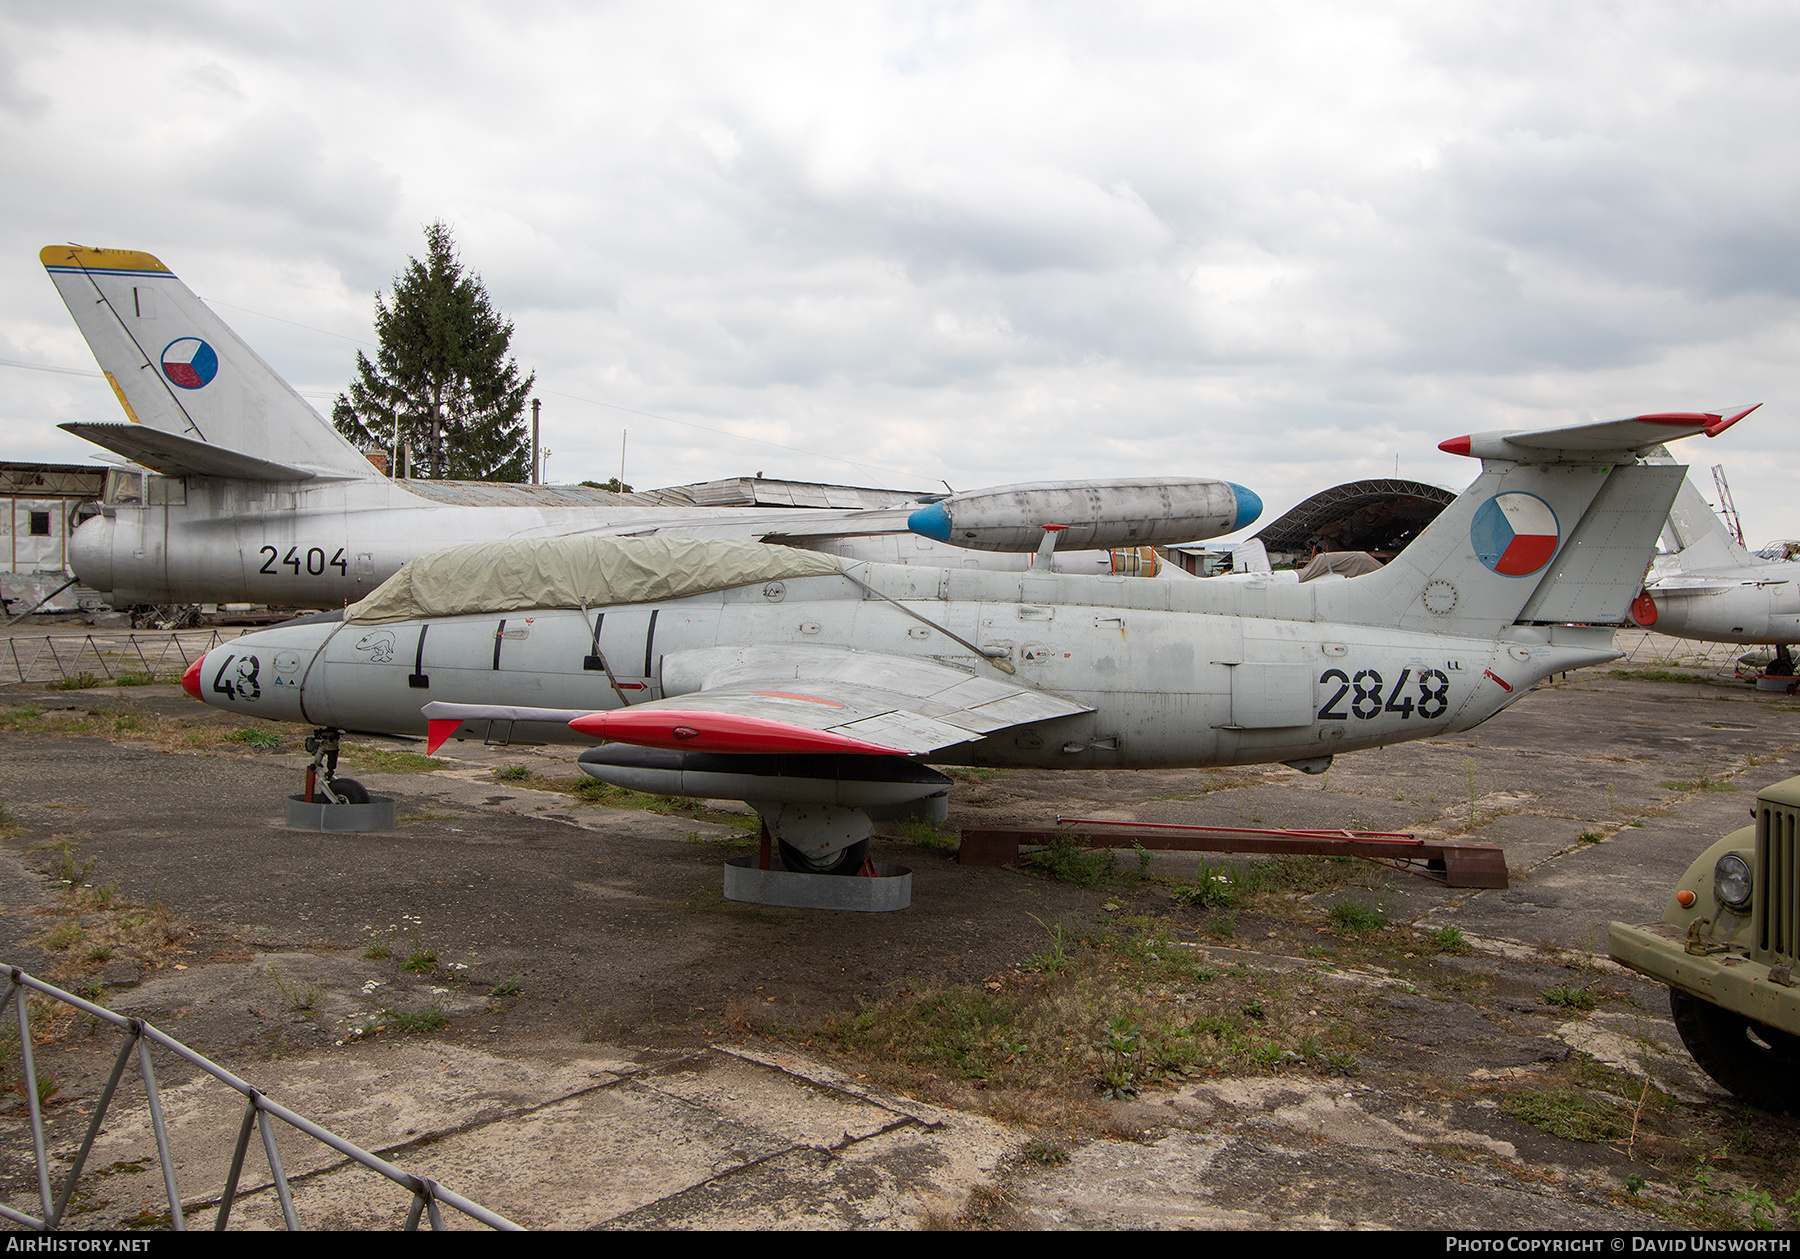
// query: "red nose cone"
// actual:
[[190, 681], [1455, 446]]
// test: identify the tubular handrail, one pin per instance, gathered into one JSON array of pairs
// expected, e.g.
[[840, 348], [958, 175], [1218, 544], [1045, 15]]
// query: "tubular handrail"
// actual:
[[258, 1110]]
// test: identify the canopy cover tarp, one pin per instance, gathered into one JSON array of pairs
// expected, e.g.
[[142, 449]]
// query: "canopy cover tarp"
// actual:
[[530, 573]]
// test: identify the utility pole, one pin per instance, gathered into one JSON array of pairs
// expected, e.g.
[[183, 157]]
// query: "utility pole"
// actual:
[[536, 473]]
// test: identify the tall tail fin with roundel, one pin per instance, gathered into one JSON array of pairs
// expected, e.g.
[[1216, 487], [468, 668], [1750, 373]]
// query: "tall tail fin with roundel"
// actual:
[[176, 368], [1559, 527]]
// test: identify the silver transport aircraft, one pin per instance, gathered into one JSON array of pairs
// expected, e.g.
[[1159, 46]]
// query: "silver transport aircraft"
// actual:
[[254, 497], [819, 690], [1709, 587]]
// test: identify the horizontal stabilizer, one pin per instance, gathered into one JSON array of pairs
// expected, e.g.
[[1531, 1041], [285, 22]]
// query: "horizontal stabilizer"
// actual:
[[173, 455], [1608, 441]]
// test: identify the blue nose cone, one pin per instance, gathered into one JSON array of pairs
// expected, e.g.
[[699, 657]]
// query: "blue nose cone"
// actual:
[[934, 522], [1249, 506]]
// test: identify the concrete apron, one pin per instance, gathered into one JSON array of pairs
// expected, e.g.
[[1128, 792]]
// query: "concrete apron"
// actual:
[[724, 1138]]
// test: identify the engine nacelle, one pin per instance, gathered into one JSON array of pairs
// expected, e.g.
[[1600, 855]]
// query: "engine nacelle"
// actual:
[[1143, 511]]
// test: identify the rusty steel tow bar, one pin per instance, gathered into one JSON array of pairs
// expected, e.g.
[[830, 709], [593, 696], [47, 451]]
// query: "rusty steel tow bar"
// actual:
[[1451, 862]]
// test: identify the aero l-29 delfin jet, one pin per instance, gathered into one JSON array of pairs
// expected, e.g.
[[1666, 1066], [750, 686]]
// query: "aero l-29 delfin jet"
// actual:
[[254, 497], [1711, 588], [817, 690]]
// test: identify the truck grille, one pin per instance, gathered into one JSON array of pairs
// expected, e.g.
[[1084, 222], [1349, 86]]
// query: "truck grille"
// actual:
[[1776, 919]]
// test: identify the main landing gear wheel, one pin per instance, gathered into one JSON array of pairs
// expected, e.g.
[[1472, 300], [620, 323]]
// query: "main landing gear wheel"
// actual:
[[1756, 1063], [845, 861], [352, 791]]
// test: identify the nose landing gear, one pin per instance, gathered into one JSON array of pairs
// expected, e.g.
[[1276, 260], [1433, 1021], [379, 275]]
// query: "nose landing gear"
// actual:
[[331, 803]]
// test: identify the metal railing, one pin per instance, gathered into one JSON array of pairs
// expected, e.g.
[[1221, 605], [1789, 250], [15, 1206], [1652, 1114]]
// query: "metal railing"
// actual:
[[164, 655], [427, 1195]]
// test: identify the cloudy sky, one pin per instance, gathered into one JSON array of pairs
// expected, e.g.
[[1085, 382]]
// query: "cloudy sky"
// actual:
[[1284, 243]]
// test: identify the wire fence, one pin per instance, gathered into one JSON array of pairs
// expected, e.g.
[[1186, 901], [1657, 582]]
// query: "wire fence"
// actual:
[[137, 656], [1648, 647], [428, 1197]]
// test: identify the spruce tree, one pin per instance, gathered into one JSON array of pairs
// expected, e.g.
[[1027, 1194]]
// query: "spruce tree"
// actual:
[[443, 375]]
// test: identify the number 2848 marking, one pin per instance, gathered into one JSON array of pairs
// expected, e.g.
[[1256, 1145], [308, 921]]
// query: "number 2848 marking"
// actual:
[[1366, 701]]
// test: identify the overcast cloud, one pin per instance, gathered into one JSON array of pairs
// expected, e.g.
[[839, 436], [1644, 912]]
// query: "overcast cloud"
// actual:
[[1287, 244]]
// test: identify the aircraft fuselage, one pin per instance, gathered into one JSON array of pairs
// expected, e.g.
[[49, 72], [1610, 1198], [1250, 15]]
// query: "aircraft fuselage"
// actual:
[[325, 544], [1758, 604], [1169, 686]]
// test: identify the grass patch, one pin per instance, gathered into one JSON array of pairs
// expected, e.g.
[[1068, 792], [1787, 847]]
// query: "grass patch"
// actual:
[[388, 760], [92, 924], [1356, 918], [431, 1019], [1698, 784], [1213, 887], [513, 773], [973, 773], [421, 962], [932, 835], [135, 679], [1450, 940], [77, 682], [256, 737], [1569, 997], [1572, 1114], [1068, 860], [301, 994], [1122, 1009], [1661, 675]]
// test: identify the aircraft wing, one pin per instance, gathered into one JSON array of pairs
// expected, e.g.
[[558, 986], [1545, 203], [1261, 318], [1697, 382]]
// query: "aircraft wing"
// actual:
[[801, 700]]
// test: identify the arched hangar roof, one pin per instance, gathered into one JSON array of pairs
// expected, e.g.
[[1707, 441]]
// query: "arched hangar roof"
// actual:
[[1380, 515]]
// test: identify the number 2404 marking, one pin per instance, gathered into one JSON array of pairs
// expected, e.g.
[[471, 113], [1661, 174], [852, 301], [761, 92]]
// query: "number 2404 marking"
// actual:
[[315, 561], [1365, 695]]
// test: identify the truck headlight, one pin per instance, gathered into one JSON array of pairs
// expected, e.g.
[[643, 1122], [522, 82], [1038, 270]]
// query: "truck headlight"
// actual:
[[1733, 883]]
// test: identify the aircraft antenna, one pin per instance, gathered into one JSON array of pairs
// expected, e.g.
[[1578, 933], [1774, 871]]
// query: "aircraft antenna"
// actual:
[[1727, 508]]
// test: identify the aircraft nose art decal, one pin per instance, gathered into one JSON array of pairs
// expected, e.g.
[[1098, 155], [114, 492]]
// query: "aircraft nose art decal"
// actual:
[[189, 362], [1515, 534]]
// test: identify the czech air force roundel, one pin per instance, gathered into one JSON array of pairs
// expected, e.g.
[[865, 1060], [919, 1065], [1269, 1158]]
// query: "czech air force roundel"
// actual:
[[189, 362], [1514, 534]]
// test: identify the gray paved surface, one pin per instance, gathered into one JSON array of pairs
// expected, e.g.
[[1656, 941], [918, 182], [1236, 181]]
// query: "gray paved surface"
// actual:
[[614, 1091]]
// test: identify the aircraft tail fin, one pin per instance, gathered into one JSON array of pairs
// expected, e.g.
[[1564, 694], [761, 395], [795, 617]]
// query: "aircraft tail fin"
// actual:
[[1559, 527], [176, 367], [1700, 540]]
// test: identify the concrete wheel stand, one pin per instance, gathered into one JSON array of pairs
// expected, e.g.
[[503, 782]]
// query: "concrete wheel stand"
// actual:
[[322, 815], [889, 890]]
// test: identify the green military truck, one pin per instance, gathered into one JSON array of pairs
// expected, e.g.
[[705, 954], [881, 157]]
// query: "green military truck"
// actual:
[[1727, 946]]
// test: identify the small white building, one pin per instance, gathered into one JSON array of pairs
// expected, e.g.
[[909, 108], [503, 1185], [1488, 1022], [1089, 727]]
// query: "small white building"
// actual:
[[40, 506]]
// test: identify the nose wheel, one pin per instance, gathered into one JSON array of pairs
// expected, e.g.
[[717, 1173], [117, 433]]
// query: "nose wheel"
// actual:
[[844, 861], [321, 775]]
